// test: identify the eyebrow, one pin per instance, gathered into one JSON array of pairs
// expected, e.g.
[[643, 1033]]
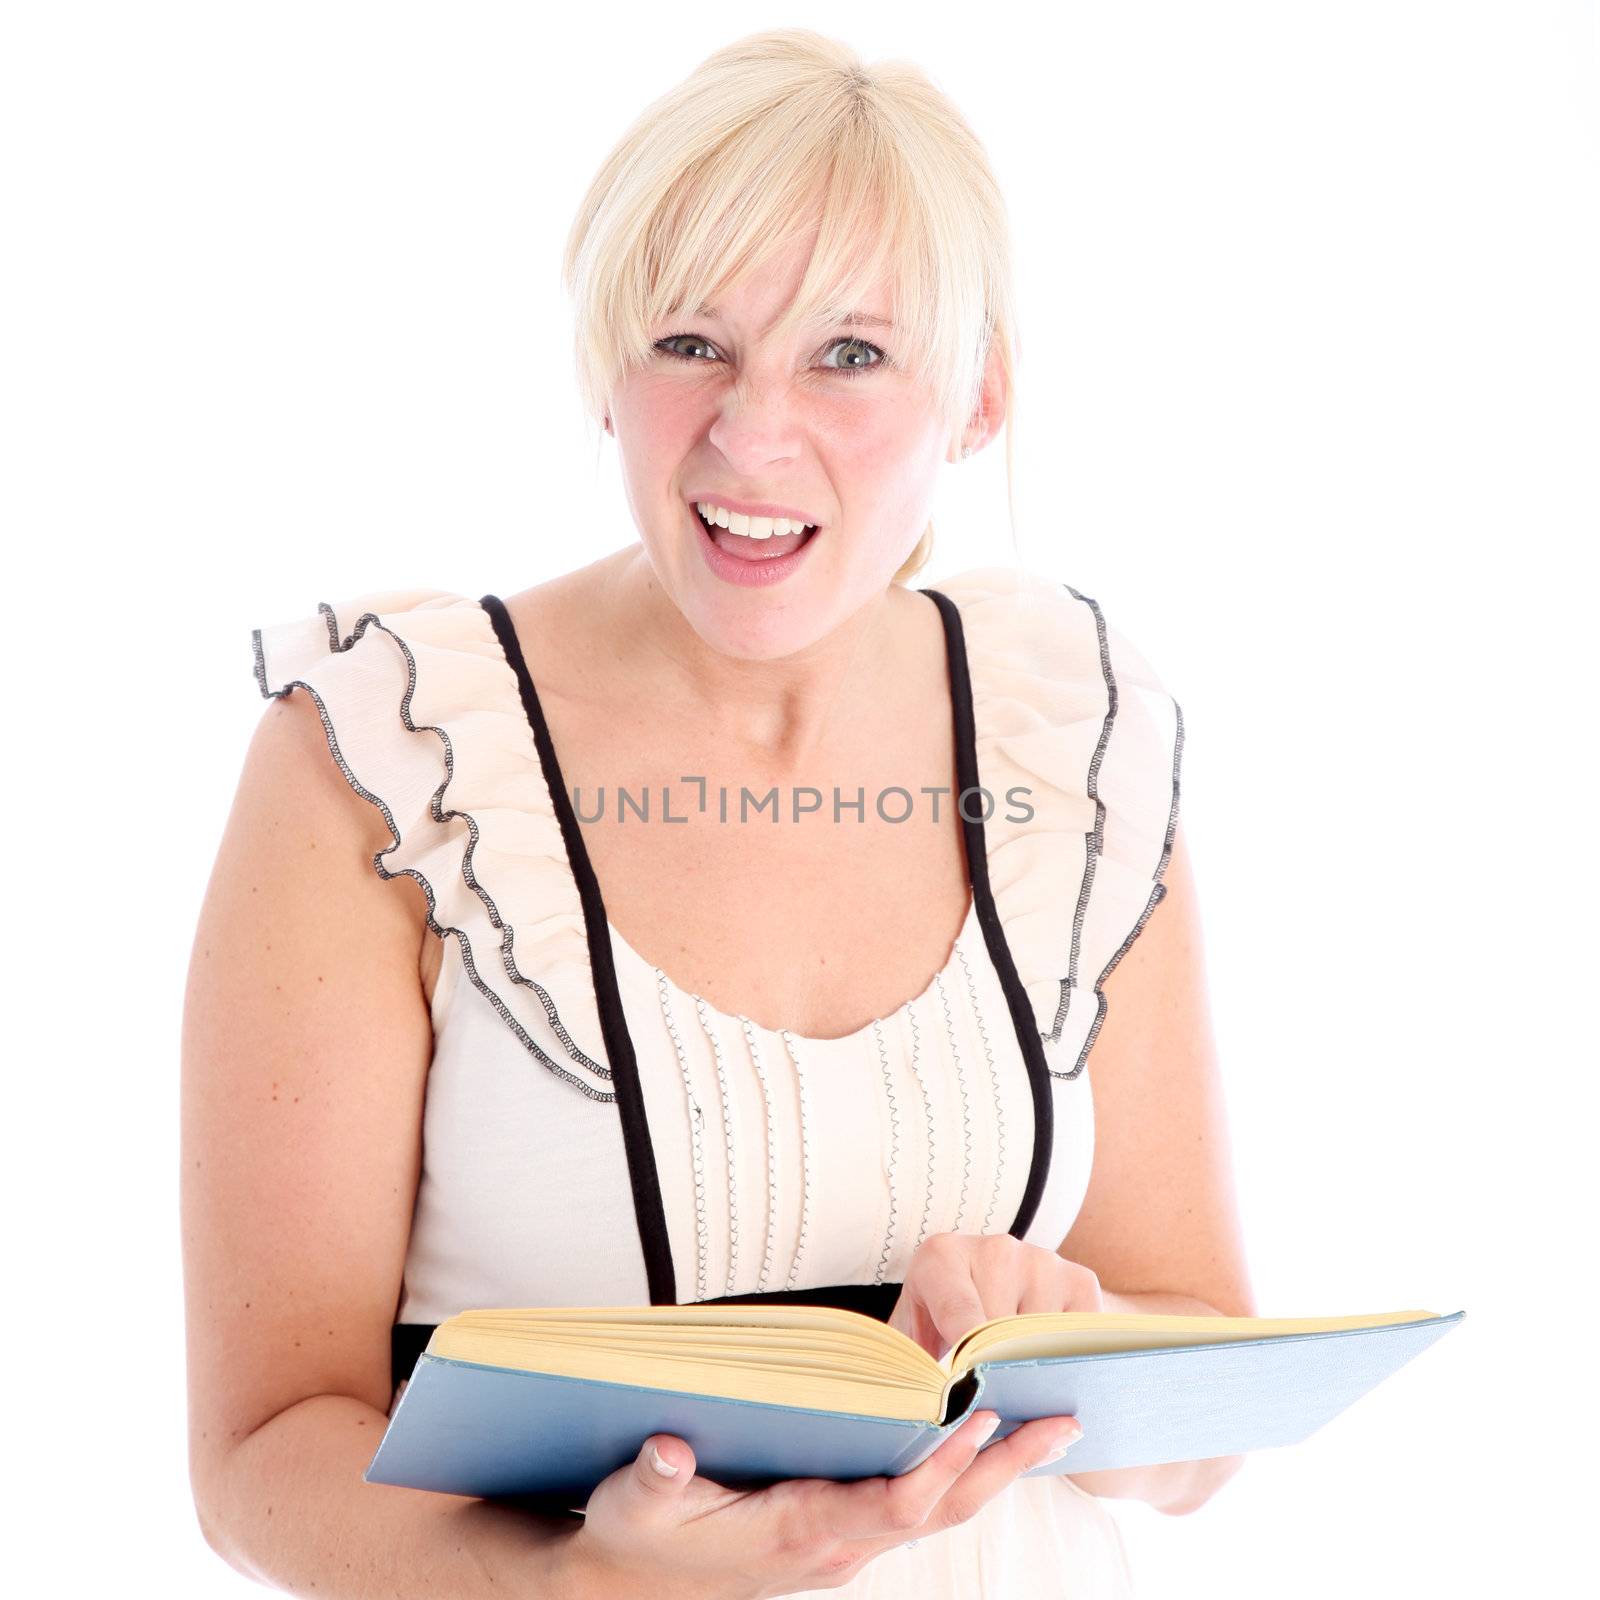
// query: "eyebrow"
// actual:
[[848, 316]]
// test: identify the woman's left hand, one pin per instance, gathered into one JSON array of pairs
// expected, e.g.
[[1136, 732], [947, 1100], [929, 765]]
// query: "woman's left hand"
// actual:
[[958, 1280]]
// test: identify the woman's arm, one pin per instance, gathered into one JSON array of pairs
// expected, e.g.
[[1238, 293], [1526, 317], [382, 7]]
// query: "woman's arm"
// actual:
[[288, 1508], [306, 1046], [1159, 1224]]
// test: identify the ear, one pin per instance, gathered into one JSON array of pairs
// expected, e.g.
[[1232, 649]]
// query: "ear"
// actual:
[[987, 420], [992, 400]]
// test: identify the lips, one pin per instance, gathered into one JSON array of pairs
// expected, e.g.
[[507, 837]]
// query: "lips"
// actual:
[[751, 563]]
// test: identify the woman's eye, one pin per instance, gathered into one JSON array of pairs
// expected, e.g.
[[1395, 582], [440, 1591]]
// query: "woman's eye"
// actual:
[[878, 357], [860, 344], [673, 338]]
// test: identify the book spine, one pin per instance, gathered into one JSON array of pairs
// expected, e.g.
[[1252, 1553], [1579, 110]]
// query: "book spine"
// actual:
[[923, 1443], [961, 1402]]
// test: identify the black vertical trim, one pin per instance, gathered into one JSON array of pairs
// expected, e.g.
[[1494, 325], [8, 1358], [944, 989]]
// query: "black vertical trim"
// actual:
[[1022, 1017], [642, 1173]]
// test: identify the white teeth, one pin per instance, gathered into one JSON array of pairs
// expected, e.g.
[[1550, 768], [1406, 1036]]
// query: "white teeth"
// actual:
[[747, 527]]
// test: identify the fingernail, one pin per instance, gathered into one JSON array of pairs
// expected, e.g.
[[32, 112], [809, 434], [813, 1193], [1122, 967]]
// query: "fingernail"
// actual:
[[665, 1468], [1065, 1445], [987, 1430]]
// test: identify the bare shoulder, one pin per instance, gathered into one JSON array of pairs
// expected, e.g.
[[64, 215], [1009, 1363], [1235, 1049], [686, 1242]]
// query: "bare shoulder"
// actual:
[[292, 794]]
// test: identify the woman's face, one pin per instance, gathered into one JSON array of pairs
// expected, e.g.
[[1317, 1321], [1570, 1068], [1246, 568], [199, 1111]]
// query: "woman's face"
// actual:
[[822, 424]]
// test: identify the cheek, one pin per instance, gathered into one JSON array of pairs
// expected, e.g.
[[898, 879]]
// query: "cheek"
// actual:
[[658, 412], [670, 412], [885, 441], [883, 475]]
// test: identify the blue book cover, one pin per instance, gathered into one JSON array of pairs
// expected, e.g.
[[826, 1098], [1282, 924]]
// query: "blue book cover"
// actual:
[[1145, 1389]]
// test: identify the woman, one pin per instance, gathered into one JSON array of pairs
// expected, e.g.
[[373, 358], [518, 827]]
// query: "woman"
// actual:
[[677, 816]]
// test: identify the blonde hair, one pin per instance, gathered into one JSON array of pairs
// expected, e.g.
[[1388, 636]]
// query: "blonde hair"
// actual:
[[771, 137]]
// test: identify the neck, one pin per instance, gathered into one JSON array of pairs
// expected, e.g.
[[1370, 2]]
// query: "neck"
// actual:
[[783, 710]]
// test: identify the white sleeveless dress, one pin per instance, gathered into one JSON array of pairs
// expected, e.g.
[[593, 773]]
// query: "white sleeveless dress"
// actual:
[[595, 1135]]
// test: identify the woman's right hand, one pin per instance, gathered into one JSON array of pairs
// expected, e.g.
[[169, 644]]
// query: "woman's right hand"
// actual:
[[680, 1537]]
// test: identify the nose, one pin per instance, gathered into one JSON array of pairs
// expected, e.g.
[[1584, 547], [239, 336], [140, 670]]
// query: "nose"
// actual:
[[756, 425]]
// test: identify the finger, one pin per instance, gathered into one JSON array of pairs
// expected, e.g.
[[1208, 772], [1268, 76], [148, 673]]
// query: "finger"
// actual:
[[1001, 1266], [954, 1304], [886, 1507], [1001, 1465], [664, 1464], [910, 1319], [1048, 1284], [925, 1331]]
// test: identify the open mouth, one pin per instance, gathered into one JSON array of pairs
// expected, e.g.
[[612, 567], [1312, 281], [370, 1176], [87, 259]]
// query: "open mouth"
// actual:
[[749, 563], [744, 547]]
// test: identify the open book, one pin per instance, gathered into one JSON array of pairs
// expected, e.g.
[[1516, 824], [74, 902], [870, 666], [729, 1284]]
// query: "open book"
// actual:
[[548, 1401]]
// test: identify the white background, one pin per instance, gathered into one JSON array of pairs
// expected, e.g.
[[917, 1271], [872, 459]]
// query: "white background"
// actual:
[[1308, 303]]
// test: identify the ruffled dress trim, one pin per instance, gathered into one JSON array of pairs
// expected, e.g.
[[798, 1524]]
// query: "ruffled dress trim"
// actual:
[[1079, 748], [464, 795]]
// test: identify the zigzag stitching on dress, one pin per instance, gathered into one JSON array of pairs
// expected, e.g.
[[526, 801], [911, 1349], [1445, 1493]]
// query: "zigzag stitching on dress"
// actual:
[[1158, 890], [966, 1106], [1094, 840], [772, 1152], [994, 1081], [440, 816], [927, 1111], [894, 1148]]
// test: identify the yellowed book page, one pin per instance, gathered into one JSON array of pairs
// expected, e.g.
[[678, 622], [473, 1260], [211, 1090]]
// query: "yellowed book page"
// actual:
[[825, 1354], [732, 1375], [857, 1338], [1040, 1335]]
